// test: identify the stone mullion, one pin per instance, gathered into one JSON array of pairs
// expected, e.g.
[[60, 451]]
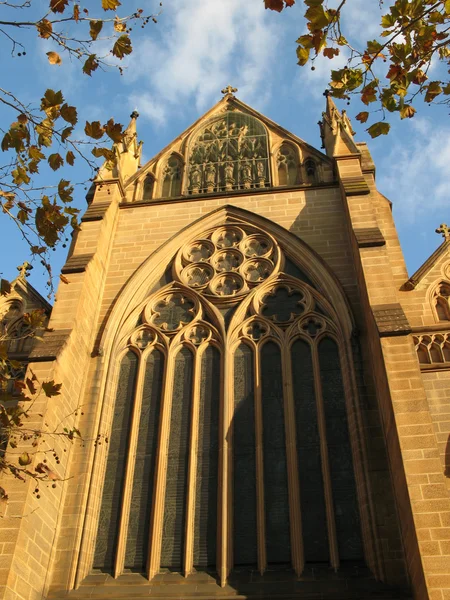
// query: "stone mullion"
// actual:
[[157, 520], [225, 491], [192, 468], [129, 471], [298, 560], [260, 516], [331, 523]]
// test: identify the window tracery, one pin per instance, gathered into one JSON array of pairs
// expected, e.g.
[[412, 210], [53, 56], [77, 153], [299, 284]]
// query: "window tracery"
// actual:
[[278, 356], [441, 301], [433, 348], [229, 153], [288, 165], [310, 170], [172, 177], [147, 188]]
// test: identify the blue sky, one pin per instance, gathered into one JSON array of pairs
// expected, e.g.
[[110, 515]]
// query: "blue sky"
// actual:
[[176, 72]]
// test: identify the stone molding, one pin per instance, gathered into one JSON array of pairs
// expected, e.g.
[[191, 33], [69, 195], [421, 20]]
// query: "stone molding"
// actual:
[[391, 320], [50, 347], [367, 237], [95, 212], [77, 264], [354, 186]]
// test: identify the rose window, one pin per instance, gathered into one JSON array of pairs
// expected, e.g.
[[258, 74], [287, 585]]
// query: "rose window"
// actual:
[[228, 261]]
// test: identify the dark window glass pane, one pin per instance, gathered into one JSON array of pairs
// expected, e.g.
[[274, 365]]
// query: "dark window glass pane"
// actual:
[[205, 524], [115, 466], [177, 463], [276, 495], [314, 521], [142, 492], [244, 466], [340, 455]]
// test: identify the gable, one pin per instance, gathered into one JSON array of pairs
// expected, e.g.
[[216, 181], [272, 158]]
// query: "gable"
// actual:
[[230, 149]]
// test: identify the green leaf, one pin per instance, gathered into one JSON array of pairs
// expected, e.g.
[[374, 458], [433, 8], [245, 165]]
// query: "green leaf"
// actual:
[[55, 161], [379, 128], [24, 459], [95, 28], [317, 17], [122, 47], [306, 41], [388, 21], [94, 130], [302, 55]]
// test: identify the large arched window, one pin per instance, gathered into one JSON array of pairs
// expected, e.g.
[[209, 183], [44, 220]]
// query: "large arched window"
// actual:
[[441, 301], [288, 165], [172, 177], [229, 444], [229, 153]]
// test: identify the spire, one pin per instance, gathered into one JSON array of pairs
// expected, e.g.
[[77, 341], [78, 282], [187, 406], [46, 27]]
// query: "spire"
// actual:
[[128, 152], [336, 130]]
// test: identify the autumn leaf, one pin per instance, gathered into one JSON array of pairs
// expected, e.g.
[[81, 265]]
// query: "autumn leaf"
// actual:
[[76, 12], [119, 25], [368, 93], [55, 161], [69, 114], [331, 52], [94, 130], [277, 5], [65, 191], [362, 116], [407, 112], [379, 128], [95, 28], [114, 130], [433, 90], [70, 158], [58, 6], [63, 278], [51, 388], [105, 153], [317, 17], [66, 132], [20, 176], [51, 99], [122, 47], [44, 28], [302, 55], [90, 65], [54, 58], [110, 4]]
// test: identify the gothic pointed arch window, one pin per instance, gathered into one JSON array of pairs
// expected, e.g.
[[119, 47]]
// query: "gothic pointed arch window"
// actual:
[[310, 167], [229, 392], [441, 301], [288, 165], [229, 153], [147, 187], [172, 177]]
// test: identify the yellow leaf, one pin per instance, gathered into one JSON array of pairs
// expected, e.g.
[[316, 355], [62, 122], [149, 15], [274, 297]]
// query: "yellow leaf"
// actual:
[[119, 26], [54, 58], [302, 55], [95, 28], [24, 459], [94, 130], [110, 4], [44, 28], [407, 112]]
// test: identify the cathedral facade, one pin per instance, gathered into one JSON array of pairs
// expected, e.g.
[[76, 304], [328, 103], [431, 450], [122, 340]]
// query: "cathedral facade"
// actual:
[[262, 393]]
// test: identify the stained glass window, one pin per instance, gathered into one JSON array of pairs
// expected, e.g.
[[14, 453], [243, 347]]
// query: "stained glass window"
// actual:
[[174, 524], [276, 497], [144, 471], [172, 178], [244, 467], [230, 153], [108, 526], [288, 165], [205, 524], [340, 455]]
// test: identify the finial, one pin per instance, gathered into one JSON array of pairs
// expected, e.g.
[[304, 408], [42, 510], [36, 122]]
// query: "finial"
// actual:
[[326, 93], [444, 231], [134, 114], [23, 270], [229, 90]]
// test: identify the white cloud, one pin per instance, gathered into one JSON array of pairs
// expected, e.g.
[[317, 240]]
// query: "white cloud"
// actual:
[[415, 172], [148, 108], [205, 46]]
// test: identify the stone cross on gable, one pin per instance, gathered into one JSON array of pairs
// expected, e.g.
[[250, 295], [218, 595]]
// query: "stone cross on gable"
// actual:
[[229, 90], [444, 231]]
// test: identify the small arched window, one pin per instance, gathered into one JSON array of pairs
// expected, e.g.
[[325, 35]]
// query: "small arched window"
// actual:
[[310, 170], [147, 189], [441, 302], [287, 164], [172, 176]]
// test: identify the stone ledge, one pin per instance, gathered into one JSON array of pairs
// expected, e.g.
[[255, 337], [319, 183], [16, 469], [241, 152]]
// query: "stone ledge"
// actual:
[[95, 212], [353, 186], [50, 346], [77, 264], [391, 320], [369, 237]]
